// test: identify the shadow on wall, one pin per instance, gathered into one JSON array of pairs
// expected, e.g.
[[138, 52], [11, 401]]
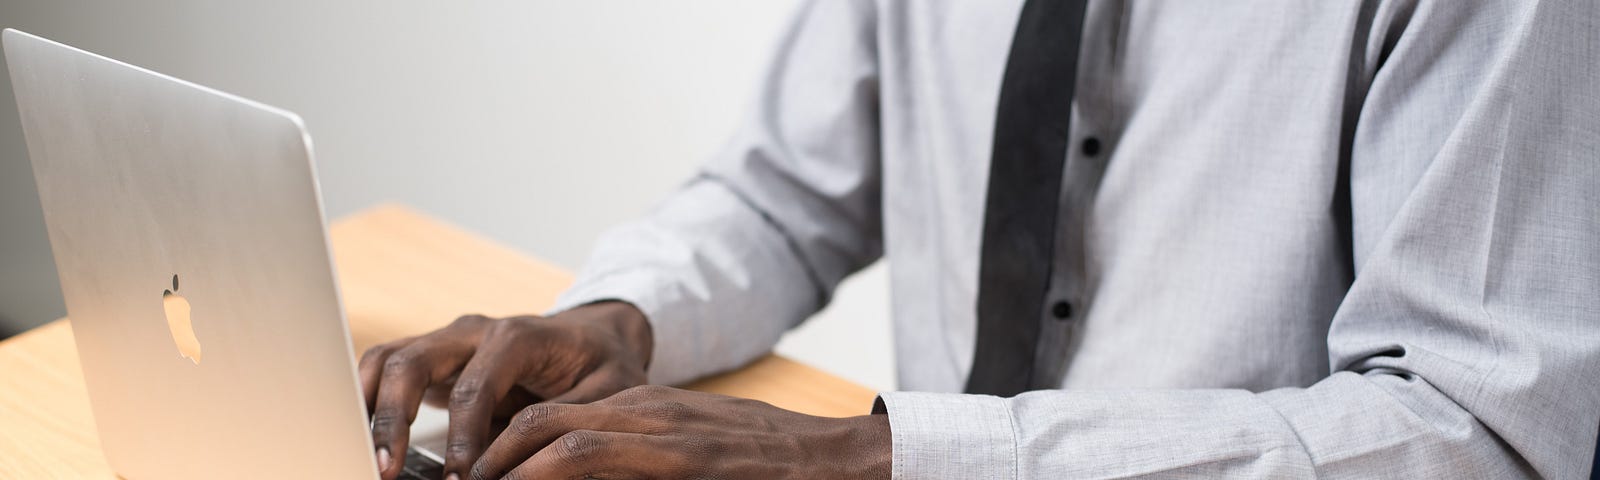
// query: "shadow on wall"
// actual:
[[5, 332], [30, 295]]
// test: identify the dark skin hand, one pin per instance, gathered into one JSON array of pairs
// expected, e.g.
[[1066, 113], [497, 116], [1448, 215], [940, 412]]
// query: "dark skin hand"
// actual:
[[483, 369], [661, 432], [558, 374]]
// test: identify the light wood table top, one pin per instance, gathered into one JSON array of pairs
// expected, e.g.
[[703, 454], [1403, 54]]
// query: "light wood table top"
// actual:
[[400, 274]]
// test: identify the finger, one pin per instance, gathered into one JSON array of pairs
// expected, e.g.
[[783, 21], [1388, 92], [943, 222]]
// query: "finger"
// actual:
[[407, 372], [371, 370], [586, 454], [483, 383], [536, 426]]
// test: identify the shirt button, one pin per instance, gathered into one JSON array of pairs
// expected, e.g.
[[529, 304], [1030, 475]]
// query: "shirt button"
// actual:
[[1091, 146], [1062, 310]]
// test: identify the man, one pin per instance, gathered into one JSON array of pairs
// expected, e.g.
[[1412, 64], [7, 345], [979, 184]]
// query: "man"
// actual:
[[1347, 239]]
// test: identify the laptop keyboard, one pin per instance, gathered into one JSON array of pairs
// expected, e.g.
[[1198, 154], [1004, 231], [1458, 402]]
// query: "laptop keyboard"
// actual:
[[420, 467]]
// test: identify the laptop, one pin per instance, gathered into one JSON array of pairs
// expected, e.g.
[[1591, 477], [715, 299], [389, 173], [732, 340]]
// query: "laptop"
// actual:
[[188, 232]]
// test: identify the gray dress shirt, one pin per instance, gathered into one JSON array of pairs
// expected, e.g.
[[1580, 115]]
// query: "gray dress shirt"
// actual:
[[1350, 239]]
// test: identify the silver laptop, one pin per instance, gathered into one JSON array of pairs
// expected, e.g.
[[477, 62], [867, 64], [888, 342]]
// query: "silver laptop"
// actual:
[[188, 232]]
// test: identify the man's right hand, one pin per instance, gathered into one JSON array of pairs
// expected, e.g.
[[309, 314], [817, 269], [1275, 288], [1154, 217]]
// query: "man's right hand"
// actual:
[[485, 368]]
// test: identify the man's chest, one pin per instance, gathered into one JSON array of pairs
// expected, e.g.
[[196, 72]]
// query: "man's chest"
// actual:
[[1235, 109]]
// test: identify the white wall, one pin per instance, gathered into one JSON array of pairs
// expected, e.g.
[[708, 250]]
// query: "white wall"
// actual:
[[535, 122]]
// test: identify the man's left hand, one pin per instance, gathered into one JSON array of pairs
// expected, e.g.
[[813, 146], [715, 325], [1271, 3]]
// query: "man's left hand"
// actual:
[[661, 432]]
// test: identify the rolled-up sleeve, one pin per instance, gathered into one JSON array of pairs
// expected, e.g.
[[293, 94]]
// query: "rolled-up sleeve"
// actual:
[[758, 240], [1469, 342]]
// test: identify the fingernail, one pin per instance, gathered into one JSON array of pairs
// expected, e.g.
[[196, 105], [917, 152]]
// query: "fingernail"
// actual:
[[452, 476], [383, 459]]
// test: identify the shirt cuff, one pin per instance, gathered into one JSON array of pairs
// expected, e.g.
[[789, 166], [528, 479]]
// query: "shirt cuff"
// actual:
[[950, 436]]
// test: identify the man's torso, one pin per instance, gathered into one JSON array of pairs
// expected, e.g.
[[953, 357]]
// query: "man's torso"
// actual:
[[1205, 230]]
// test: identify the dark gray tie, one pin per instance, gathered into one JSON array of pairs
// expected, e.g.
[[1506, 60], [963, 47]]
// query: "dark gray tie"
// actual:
[[1019, 223]]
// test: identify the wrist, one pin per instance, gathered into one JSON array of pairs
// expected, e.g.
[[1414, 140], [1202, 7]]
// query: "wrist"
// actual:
[[626, 321], [865, 449]]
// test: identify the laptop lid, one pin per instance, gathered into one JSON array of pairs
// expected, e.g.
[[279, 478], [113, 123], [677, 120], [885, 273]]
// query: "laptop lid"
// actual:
[[170, 205]]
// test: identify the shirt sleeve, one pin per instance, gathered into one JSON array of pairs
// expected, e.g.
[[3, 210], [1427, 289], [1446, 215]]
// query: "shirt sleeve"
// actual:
[[1469, 342], [758, 240]]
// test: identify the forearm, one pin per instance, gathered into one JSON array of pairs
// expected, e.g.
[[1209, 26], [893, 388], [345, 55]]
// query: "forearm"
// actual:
[[776, 219], [1348, 426], [718, 285]]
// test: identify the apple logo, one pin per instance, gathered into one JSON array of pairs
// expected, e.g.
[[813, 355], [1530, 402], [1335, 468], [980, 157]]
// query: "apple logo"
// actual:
[[177, 309]]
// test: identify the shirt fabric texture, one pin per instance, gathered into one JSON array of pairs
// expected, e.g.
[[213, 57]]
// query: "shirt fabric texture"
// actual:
[[1344, 239]]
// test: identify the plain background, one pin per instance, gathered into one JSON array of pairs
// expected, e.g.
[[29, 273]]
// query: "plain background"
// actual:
[[537, 123]]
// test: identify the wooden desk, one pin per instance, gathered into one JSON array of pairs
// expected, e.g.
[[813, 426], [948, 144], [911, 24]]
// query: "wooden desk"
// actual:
[[401, 274]]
